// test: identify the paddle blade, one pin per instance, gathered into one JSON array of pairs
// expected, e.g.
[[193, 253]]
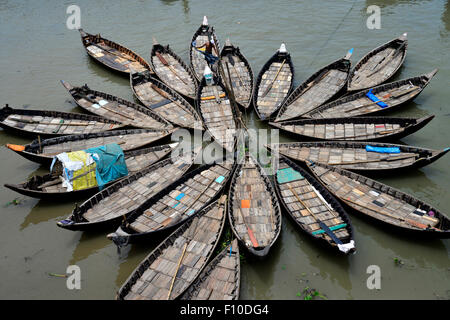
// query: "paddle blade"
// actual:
[[230, 59], [252, 238], [329, 232]]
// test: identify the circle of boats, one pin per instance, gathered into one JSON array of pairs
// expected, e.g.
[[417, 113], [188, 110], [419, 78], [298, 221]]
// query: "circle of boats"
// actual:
[[316, 182]]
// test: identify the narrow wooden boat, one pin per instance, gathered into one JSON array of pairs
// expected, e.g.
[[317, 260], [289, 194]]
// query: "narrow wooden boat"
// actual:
[[108, 207], [53, 123], [217, 113], [43, 151], [253, 209], [383, 203], [375, 100], [355, 128], [240, 71], [169, 269], [273, 84], [197, 58], [164, 101], [361, 157], [313, 208], [50, 185], [378, 65], [112, 54], [220, 280], [172, 70], [115, 108], [174, 205], [317, 89]]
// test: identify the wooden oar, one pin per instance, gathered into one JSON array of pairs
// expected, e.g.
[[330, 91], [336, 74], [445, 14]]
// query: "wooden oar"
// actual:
[[273, 81], [387, 59], [315, 81], [167, 96], [321, 224], [376, 132], [222, 95], [189, 237], [385, 98], [48, 123], [249, 231], [165, 63], [40, 145], [107, 50], [410, 222], [375, 160]]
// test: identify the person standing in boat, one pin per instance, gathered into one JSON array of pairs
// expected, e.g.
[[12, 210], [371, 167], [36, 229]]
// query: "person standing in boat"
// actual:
[[208, 46]]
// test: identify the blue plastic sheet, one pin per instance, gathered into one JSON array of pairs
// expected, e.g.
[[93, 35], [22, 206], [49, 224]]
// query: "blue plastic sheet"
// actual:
[[287, 175], [374, 98], [110, 163], [383, 149]]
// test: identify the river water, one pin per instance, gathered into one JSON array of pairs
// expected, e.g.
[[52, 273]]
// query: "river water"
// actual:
[[38, 50]]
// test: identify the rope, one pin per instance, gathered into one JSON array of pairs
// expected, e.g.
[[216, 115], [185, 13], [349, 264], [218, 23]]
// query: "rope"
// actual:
[[332, 34]]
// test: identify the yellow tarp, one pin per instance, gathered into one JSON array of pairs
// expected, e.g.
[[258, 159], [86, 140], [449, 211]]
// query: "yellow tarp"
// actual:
[[81, 180]]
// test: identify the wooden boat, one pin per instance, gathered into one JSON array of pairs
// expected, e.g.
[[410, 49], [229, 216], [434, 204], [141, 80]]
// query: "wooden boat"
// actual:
[[217, 113], [111, 54], [240, 71], [273, 84], [313, 208], [169, 269], [50, 185], [164, 101], [108, 207], [220, 280], [375, 100], [354, 128], [197, 59], [172, 70], [43, 151], [115, 108], [378, 65], [53, 123], [355, 156], [173, 205], [317, 89], [383, 203], [253, 209]]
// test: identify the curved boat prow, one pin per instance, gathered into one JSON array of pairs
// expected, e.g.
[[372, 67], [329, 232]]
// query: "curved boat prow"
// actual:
[[349, 54], [431, 74]]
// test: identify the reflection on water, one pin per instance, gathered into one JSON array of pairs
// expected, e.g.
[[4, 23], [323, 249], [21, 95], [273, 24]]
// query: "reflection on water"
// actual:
[[89, 244], [446, 15], [45, 211]]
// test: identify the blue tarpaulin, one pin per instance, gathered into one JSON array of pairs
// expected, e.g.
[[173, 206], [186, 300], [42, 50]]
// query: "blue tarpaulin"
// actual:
[[287, 175], [374, 98], [110, 163], [383, 149]]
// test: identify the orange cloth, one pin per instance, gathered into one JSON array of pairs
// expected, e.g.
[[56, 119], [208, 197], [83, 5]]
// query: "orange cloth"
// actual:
[[245, 203], [15, 147]]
